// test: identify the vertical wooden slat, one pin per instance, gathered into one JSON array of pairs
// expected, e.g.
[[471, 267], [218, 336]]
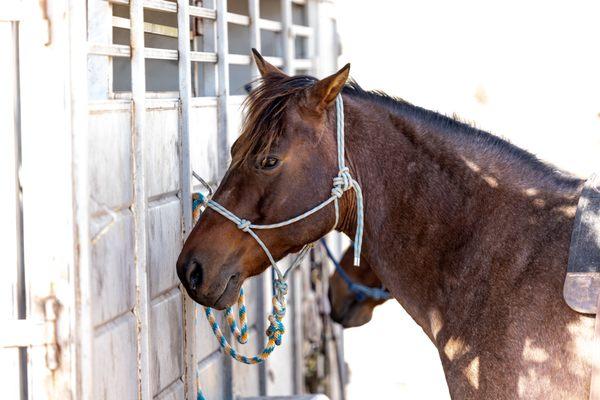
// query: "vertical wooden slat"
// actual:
[[81, 320], [12, 300], [99, 29], [223, 87], [140, 206], [287, 36], [223, 129], [254, 14], [209, 44], [46, 168], [185, 83], [312, 19]]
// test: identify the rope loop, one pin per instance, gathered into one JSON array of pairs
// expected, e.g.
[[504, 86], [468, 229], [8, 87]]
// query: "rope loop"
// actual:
[[240, 334]]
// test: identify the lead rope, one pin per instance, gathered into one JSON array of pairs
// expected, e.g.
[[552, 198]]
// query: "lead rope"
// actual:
[[341, 183]]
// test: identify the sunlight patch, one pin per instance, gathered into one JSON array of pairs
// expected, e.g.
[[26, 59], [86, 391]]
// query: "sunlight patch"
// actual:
[[490, 180], [535, 354], [435, 321], [472, 372], [455, 347]]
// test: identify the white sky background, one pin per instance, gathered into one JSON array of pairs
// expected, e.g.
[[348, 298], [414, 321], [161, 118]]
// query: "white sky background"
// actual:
[[528, 71]]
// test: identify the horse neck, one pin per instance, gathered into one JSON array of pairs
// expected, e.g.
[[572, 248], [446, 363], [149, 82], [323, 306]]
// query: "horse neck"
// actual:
[[433, 204]]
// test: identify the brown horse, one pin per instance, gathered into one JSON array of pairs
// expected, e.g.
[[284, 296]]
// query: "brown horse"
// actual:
[[347, 307], [481, 227]]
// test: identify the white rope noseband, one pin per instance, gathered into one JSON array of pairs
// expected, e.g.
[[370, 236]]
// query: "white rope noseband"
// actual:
[[341, 183]]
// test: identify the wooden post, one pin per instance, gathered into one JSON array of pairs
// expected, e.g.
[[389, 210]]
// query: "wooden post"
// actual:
[[208, 41], [100, 68], [313, 21], [81, 270], [185, 83], [140, 206], [222, 88], [254, 14], [287, 36]]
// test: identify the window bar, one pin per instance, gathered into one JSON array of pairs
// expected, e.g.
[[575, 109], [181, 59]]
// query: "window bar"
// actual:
[[140, 206], [287, 36], [209, 79], [312, 19], [185, 180], [80, 81], [222, 87], [254, 15], [99, 17]]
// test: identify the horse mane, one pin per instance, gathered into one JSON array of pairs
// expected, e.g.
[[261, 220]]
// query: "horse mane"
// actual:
[[265, 108], [453, 126]]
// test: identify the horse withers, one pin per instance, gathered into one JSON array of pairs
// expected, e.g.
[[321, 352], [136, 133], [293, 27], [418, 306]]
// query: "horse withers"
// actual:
[[468, 232]]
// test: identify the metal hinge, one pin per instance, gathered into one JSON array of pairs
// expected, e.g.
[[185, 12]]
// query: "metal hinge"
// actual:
[[29, 333]]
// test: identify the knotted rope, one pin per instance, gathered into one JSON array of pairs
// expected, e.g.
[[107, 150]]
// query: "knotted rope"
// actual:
[[341, 183], [276, 328]]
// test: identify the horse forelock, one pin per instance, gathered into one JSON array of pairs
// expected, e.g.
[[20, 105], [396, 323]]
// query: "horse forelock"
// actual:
[[265, 108]]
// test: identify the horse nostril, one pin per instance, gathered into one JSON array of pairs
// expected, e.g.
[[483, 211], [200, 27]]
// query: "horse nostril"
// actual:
[[194, 274]]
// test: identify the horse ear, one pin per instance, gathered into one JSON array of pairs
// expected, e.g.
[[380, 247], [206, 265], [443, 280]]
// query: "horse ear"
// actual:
[[263, 66], [324, 92]]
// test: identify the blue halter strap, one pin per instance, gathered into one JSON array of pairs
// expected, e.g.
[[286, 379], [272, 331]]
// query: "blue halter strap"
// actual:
[[361, 292]]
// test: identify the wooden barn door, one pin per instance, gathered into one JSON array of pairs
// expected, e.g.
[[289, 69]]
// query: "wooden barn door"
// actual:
[[37, 110]]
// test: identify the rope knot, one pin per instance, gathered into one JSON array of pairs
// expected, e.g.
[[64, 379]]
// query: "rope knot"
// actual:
[[244, 225], [343, 181], [280, 287], [275, 330], [337, 191]]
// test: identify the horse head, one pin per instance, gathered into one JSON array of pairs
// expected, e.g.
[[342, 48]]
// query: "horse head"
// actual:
[[351, 307], [281, 166]]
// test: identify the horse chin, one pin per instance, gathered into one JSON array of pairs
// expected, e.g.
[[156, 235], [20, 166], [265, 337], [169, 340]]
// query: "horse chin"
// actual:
[[221, 299], [357, 316], [230, 294]]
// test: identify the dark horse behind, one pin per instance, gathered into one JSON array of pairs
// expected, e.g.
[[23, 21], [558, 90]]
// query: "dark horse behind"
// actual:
[[468, 232]]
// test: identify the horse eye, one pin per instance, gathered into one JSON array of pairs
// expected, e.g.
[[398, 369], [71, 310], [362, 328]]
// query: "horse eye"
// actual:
[[269, 162]]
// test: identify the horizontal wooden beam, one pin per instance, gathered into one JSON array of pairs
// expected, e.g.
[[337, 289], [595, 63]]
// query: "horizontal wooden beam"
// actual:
[[121, 50], [269, 25], [301, 30], [156, 29], [203, 56], [303, 64], [239, 59], [170, 7], [113, 50], [238, 19], [276, 61], [202, 12]]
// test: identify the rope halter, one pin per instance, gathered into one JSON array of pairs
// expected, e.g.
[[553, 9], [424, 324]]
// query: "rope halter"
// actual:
[[361, 292], [341, 183]]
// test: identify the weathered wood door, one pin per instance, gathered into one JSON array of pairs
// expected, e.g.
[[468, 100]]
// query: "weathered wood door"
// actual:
[[108, 107]]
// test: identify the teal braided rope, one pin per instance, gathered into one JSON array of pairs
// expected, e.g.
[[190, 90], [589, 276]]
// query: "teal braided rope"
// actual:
[[274, 332], [240, 334]]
